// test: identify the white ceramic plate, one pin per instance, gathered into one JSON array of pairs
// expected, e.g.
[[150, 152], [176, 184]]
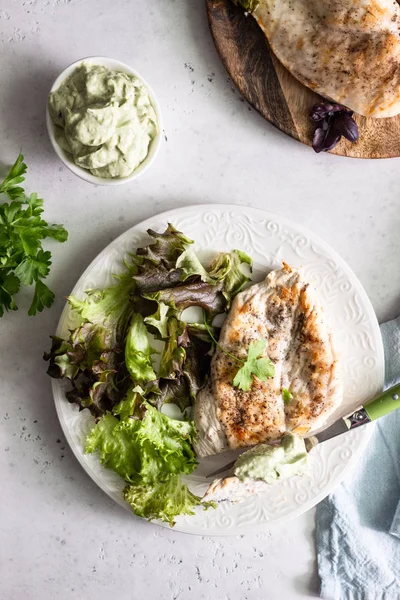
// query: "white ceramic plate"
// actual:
[[269, 239]]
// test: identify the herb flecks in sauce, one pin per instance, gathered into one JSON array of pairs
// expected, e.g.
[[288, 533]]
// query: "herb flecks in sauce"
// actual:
[[104, 119]]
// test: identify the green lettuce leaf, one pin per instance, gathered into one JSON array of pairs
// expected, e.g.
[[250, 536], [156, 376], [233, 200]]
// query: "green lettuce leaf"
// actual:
[[196, 367], [111, 308], [163, 500], [207, 296], [159, 319], [173, 355], [138, 352], [216, 290], [227, 269], [130, 404], [96, 370], [187, 378], [144, 451], [108, 359], [190, 266], [171, 391], [157, 262], [151, 278], [92, 357], [150, 454], [166, 248], [86, 348]]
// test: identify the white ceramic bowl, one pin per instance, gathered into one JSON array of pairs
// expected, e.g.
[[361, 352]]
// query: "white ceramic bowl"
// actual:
[[84, 173]]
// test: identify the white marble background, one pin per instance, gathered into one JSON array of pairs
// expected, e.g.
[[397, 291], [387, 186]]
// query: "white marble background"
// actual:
[[60, 536]]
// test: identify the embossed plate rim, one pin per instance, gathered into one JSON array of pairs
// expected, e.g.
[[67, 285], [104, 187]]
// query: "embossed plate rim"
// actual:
[[202, 524]]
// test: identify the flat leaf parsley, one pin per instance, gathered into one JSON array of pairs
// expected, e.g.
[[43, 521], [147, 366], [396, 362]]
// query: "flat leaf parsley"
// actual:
[[22, 258], [286, 395], [262, 368]]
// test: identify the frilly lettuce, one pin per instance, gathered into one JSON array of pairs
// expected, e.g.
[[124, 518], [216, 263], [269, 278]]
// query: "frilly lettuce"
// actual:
[[109, 361], [206, 295], [215, 290], [92, 357], [145, 450], [165, 248], [157, 261], [164, 500], [131, 403], [227, 269], [111, 307], [190, 266], [150, 454]]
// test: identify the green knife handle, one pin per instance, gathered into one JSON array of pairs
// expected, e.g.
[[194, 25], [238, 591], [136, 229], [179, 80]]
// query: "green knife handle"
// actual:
[[383, 404]]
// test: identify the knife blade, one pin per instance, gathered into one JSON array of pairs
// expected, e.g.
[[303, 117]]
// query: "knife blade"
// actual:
[[343, 425], [380, 406]]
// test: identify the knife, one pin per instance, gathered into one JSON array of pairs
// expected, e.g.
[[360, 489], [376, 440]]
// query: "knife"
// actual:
[[380, 406]]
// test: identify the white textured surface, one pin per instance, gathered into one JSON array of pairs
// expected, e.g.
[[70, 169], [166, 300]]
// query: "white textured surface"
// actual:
[[269, 239], [60, 536]]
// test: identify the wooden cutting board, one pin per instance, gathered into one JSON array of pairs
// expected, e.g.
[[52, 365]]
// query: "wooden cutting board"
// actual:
[[278, 96]]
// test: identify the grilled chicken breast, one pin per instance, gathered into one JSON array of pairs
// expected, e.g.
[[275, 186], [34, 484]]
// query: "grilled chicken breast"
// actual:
[[284, 312], [346, 50]]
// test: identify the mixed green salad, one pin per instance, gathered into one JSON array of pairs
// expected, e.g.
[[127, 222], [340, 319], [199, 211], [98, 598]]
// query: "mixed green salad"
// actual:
[[115, 372]]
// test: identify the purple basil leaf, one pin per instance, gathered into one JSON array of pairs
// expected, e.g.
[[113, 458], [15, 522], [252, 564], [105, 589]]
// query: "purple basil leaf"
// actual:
[[321, 110], [333, 120], [318, 140], [345, 125], [332, 137], [324, 140]]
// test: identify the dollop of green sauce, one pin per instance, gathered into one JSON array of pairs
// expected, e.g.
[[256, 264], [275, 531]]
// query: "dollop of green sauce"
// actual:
[[104, 119], [269, 462]]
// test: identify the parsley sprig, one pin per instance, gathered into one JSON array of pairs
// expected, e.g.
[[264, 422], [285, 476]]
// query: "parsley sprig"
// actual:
[[22, 258], [286, 395], [263, 368]]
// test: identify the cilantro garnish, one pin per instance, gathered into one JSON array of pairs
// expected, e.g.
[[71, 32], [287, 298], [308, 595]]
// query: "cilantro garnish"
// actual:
[[263, 368], [286, 395], [22, 258]]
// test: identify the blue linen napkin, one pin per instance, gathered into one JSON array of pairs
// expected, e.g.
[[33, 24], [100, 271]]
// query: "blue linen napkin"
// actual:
[[358, 527]]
